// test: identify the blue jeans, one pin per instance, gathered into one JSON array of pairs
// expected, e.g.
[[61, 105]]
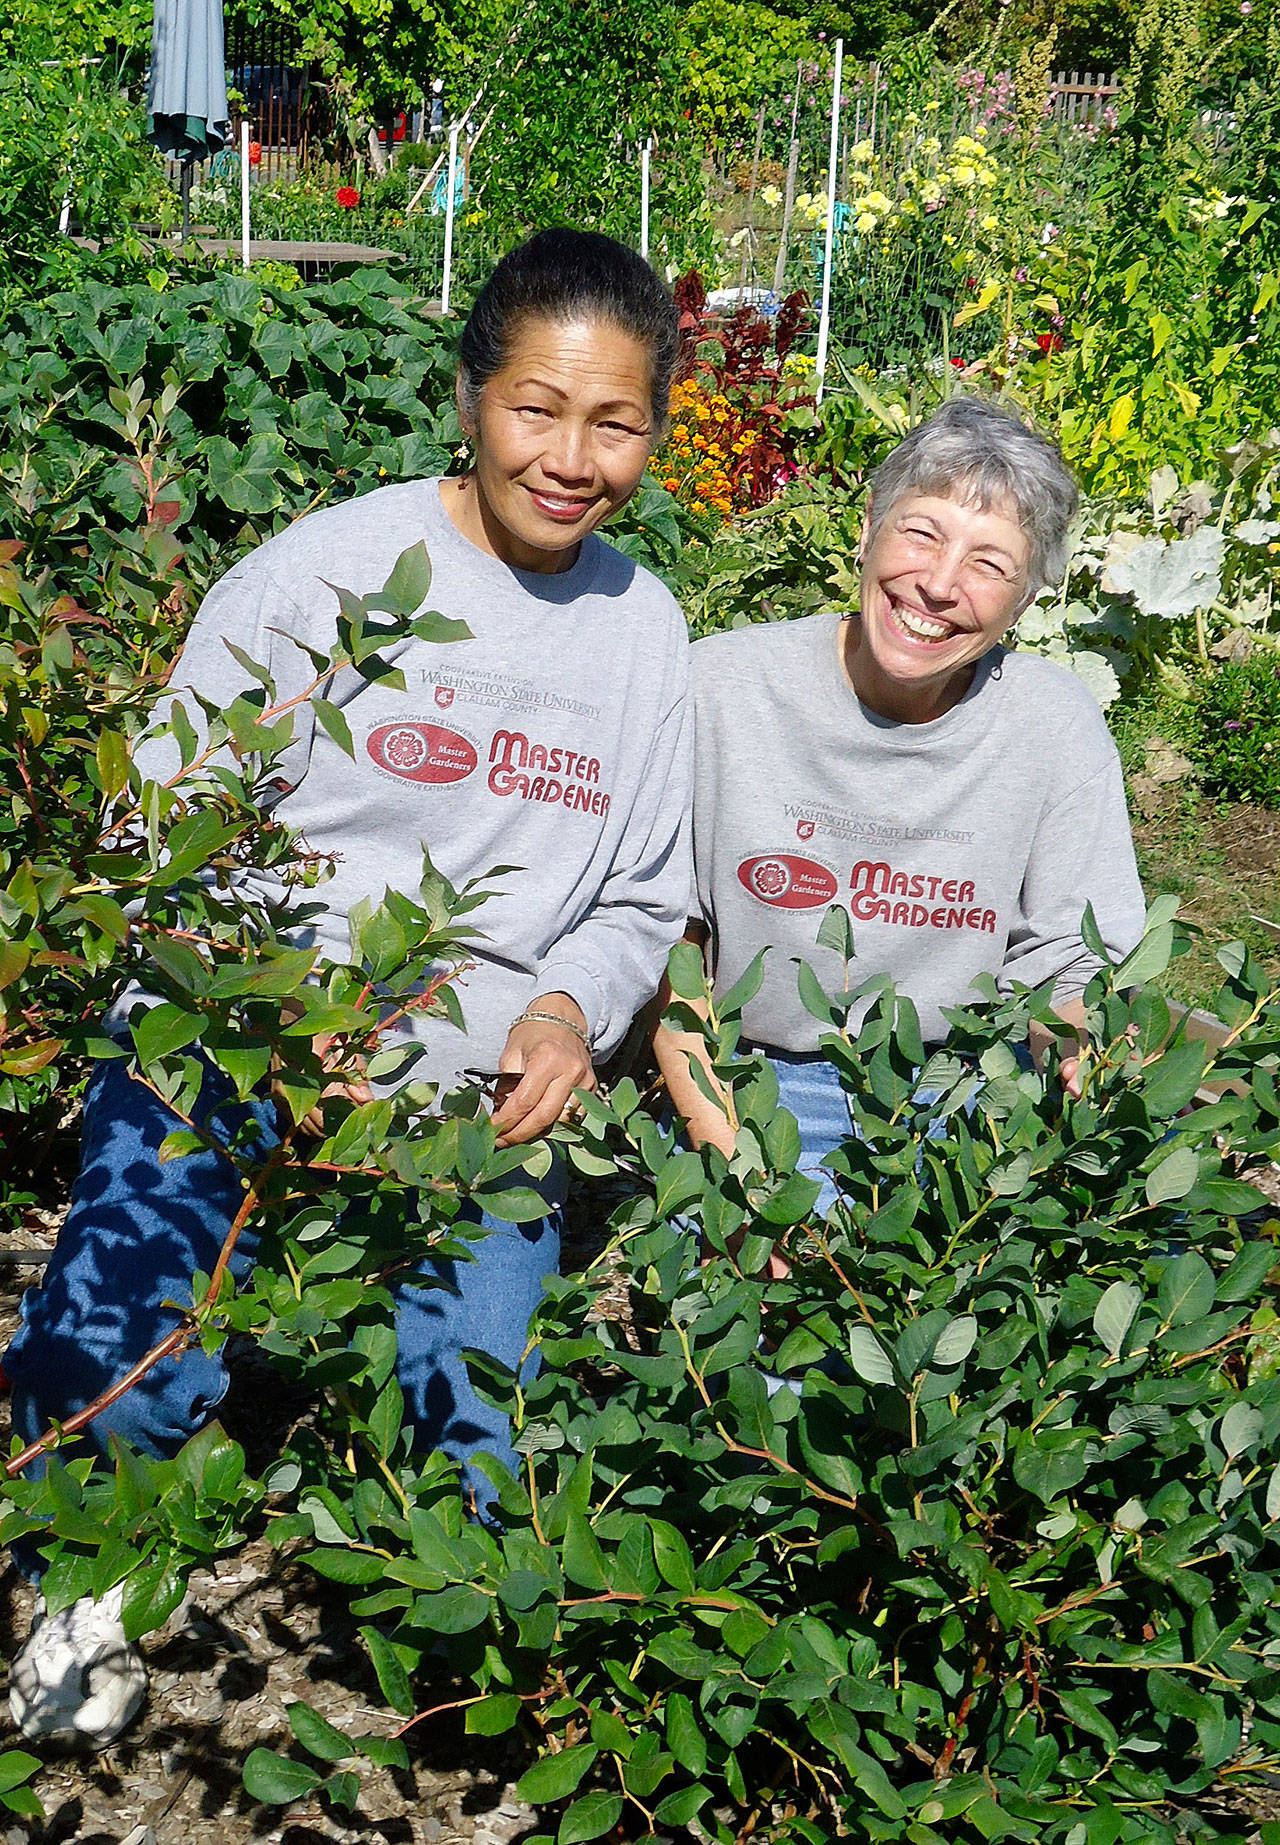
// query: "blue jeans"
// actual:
[[137, 1230], [810, 1088]]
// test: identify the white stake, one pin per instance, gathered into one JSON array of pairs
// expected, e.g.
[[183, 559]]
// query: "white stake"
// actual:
[[244, 193], [644, 199], [824, 319], [64, 216], [448, 219]]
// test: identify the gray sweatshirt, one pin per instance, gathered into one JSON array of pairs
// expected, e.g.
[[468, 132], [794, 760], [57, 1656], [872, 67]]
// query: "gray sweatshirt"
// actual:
[[558, 740], [967, 845]]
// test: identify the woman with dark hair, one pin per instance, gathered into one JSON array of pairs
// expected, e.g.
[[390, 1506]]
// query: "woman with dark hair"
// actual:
[[962, 800], [556, 738]]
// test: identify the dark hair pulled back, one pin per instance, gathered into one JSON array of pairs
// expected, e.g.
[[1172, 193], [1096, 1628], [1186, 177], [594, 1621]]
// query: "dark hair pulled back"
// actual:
[[566, 275]]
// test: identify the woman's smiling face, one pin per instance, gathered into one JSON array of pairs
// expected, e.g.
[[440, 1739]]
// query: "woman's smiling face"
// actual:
[[942, 581], [562, 437]]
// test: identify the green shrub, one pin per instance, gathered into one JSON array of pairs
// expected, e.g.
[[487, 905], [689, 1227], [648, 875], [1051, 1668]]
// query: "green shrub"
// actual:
[[1237, 708], [70, 133], [998, 1563]]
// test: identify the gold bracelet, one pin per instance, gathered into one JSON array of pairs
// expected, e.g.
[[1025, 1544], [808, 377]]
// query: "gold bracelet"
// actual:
[[551, 1018]]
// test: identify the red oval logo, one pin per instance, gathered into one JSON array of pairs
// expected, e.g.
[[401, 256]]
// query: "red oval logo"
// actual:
[[786, 881], [422, 752]]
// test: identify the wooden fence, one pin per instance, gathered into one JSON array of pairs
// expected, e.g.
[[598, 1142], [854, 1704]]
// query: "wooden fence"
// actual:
[[1076, 98]]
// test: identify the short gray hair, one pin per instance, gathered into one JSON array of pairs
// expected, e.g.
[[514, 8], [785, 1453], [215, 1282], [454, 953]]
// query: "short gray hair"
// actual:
[[974, 450]]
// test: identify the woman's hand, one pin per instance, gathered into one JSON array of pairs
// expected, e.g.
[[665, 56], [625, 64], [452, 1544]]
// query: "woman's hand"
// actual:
[[541, 1065]]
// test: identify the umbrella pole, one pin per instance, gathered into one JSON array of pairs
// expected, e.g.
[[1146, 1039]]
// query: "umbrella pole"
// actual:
[[184, 183]]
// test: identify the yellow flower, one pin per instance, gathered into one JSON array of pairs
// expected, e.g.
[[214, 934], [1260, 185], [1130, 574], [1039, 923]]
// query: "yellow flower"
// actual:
[[990, 223], [771, 196]]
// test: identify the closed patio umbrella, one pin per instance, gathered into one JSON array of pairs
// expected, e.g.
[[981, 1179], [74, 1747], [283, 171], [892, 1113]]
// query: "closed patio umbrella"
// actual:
[[187, 111]]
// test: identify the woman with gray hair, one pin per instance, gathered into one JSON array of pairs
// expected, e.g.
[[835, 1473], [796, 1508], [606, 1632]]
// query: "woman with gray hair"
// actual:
[[963, 801]]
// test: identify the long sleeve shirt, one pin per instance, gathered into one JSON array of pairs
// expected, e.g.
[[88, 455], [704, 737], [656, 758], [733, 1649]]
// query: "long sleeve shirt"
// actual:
[[964, 846], [557, 739]]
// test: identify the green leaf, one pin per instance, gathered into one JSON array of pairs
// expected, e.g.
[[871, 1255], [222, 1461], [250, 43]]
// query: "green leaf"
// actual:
[[684, 1804], [1149, 959], [1240, 1429], [684, 1733], [519, 1205], [1171, 1082], [150, 1596], [318, 1736], [743, 990], [955, 1342], [683, 1655], [161, 1030], [1114, 1315], [1186, 1290], [1050, 1463], [671, 1553], [813, 997], [1247, 1272], [687, 971], [1174, 1177], [555, 1777], [582, 1557], [349, 1566], [405, 590], [589, 1817], [180, 1143], [332, 720], [16, 1766], [392, 1676], [275, 1780], [493, 1715], [112, 762], [836, 932], [869, 1358]]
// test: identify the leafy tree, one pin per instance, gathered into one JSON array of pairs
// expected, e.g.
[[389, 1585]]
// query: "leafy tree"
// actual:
[[39, 29]]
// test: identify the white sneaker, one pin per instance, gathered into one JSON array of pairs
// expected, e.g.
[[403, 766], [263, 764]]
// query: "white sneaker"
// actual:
[[77, 1679]]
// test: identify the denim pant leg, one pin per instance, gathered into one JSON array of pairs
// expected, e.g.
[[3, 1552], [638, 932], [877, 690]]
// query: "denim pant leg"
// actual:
[[485, 1305], [810, 1088], [137, 1230]]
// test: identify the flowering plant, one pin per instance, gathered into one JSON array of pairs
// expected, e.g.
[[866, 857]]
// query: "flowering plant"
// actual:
[[729, 448], [255, 153], [347, 197]]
